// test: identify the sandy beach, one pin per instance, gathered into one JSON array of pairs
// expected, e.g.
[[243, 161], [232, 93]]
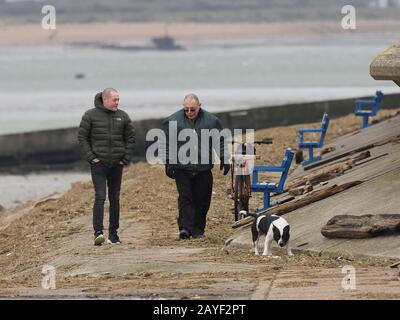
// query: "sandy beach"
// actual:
[[67, 33], [152, 262]]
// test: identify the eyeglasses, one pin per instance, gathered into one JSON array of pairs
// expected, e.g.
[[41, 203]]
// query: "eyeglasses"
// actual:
[[187, 110]]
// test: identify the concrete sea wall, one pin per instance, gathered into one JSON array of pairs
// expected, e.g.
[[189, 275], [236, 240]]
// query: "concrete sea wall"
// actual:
[[59, 148]]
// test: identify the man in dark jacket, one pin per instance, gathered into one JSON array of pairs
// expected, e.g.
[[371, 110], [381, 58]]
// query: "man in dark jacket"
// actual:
[[107, 137], [193, 178]]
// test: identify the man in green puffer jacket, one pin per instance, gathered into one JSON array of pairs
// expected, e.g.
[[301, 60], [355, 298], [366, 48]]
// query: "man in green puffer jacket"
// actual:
[[192, 169], [107, 138]]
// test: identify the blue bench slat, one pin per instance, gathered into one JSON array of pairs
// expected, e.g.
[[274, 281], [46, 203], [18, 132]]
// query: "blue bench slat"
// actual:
[[366, 101], [268, 168], [306, 144], [362, 112], [311, 130]]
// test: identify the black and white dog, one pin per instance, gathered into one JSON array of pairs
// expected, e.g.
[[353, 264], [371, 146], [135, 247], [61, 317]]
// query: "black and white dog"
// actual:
[[274, 228]]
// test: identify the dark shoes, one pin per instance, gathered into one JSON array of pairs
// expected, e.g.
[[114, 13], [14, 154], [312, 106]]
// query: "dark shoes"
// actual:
[[113, 239], [184, 234], [99, 239]]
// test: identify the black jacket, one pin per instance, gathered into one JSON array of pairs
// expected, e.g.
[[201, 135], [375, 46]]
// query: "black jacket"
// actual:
[[204, 120], [106, 135]]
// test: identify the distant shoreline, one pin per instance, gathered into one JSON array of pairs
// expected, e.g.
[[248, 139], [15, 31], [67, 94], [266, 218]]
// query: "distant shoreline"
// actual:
[[69, 33]]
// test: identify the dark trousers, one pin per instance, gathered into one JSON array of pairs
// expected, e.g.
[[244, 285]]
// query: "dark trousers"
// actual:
[[102, 178], [195, 190]]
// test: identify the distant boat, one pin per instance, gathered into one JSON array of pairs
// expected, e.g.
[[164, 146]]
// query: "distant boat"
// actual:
[[79, 75], [157, 43], [166, 43]]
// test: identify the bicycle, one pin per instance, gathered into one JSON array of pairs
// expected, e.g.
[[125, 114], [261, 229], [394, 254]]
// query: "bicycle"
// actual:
[[241, 181]]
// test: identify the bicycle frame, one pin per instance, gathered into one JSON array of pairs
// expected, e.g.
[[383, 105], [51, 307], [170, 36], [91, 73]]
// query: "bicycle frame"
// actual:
[[242, 166]]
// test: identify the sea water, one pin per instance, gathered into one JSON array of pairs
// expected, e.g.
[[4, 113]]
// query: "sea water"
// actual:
[[51, 86]]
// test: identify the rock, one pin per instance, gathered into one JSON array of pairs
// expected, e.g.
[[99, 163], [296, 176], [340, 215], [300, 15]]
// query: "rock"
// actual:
[[2, 208], [386, 66]]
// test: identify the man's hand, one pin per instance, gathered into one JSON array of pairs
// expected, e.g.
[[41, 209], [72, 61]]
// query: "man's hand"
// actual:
[[95, 160], [226, 168], [121, 163], [169, 172]]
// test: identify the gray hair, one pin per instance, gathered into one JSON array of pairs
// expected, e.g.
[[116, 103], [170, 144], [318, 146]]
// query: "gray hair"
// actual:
[[107, 91], [191, 96]]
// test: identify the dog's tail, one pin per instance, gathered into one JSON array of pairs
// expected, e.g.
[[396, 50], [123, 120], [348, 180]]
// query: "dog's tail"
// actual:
[[254, 215]]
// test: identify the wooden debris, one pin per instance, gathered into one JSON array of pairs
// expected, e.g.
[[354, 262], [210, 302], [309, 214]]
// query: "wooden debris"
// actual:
[[293, 205], [242, 222], [313, 197], [302, 245], [318, 176], [339, 156], [48, 199], [301, 190], [393, 140], [395, 265], [285, 199], [297, 191], [327, 150], [371, 159], [365, 226], [358, 157], [328, 172]]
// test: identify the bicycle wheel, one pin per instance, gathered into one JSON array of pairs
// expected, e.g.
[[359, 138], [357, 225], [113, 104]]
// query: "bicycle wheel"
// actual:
[[245, 192], [236, 200], [241, 196]]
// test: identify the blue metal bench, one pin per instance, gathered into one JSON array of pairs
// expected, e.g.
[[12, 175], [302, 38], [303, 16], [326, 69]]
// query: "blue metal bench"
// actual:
[[267, 188], [375, 103], [311, 145]]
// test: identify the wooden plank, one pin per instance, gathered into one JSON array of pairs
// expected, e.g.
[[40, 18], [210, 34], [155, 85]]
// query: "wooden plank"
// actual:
[[329, 172], [393, 139], [339, 156], [371, 159], [285, 199]]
